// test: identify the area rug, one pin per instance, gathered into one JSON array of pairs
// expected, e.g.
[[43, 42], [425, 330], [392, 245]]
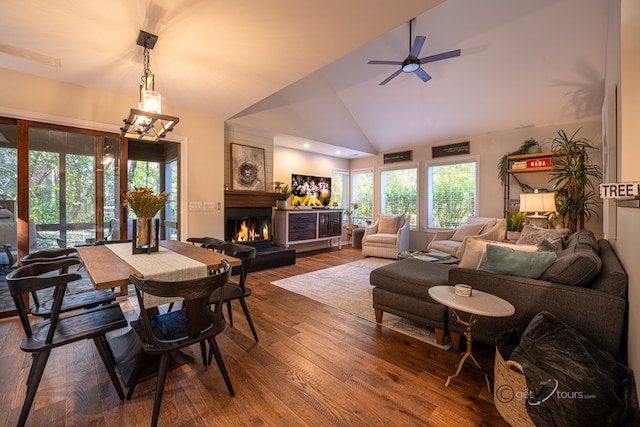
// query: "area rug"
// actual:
[[346, 287]]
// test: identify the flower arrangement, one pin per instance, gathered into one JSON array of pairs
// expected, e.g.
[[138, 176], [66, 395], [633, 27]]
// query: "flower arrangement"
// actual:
[[143, 202]]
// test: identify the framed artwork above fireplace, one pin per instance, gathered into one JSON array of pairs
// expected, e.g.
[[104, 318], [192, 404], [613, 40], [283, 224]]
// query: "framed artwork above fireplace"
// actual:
[[247, 168]]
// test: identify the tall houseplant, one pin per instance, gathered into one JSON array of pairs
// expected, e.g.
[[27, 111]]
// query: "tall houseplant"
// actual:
[[572, 177]]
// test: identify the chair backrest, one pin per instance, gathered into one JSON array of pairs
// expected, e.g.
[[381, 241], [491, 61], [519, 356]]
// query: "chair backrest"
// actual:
[[204, 241], [46, 255], [195, 292], [246, 254], [33, 277]]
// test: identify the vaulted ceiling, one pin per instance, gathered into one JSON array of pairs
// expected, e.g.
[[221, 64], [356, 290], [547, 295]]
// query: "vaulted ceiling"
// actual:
[[298, 70]]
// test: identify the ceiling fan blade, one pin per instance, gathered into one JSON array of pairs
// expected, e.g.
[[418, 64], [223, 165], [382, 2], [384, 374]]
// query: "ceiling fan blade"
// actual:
[[385, 62], [424, 76], [440, 56], [388, 79], [417, 46]]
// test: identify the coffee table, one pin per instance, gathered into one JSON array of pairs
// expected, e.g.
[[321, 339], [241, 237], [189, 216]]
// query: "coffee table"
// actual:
[[479, 304]]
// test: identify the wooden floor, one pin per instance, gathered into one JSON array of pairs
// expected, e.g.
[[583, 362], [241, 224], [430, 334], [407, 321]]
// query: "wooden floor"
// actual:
[[314, 366]]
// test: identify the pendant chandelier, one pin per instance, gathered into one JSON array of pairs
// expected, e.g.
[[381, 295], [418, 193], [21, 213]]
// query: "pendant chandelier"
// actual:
[[147, 123]]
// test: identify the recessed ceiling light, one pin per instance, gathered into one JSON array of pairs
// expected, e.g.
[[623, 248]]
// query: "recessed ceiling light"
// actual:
[[306, 145], [338, 152]]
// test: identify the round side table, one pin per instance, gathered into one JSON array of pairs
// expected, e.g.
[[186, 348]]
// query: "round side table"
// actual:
[[477, 305]]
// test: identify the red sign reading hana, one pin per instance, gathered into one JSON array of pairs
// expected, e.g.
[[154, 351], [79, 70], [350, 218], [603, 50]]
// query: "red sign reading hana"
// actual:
[[539, 163]]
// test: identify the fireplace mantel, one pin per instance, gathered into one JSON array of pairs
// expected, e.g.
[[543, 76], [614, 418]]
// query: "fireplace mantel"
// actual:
[[250, 199]]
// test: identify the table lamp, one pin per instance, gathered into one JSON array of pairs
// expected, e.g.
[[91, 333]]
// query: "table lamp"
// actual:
[[539, 203]]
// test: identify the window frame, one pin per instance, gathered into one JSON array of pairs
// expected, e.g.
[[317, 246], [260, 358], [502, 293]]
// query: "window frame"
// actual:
[[446, 162], [354, 174], [403, 166]]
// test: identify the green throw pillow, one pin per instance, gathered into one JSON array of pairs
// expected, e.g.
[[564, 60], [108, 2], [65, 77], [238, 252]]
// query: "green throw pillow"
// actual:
[[503, 260]]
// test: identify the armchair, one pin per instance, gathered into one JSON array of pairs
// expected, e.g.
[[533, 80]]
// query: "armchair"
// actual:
[[386, 237]]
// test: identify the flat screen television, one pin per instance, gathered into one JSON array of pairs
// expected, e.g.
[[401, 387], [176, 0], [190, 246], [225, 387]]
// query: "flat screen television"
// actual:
[[309, 190]]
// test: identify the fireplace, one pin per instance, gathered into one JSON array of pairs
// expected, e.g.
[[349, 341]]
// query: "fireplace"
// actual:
[[249, 225]]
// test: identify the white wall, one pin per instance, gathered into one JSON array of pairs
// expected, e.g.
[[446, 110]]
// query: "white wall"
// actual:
[[201, 137], [629, 218]]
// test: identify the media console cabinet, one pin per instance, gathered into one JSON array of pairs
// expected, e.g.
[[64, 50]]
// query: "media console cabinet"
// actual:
[[307, 225]]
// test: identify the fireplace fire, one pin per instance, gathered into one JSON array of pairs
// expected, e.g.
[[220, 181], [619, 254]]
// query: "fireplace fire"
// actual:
[[251, 226]]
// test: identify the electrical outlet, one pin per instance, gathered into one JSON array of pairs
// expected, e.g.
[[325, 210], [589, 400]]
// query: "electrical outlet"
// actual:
[[195, 206]]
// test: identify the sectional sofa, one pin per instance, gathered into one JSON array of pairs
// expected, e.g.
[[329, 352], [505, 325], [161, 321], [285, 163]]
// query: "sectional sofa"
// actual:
[[585, 286]]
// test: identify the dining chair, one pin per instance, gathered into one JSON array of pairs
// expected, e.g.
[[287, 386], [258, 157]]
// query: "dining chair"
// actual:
[[235, 290], [59, 330], [73, 300], [168, 332], [204, 241]]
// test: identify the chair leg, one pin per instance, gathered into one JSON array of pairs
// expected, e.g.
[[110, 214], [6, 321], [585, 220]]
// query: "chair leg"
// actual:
[[229, 311], [136, 374], [203, 350], [248, 316], [107, 359], [216, 352], [35, 374], [162, 374]]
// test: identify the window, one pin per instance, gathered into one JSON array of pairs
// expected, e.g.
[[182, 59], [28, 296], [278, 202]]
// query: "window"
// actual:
[[452, 193], [362, 185], [340, 188], [398, 193]]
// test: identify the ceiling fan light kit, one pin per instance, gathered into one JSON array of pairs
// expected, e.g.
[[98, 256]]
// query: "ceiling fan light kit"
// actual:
[[146, 122], [412, 64]]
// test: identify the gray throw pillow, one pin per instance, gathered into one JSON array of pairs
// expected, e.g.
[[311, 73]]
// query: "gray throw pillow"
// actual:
[[504, 260], [549, 245], [577, 265]]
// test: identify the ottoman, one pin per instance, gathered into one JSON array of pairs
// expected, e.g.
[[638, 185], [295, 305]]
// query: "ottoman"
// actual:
[[402, 288], [357, 235]]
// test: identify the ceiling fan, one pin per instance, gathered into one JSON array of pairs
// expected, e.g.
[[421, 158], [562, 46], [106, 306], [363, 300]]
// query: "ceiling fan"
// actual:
[[412, 64]]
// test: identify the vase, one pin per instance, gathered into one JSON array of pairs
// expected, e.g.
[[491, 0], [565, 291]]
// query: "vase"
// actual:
[[145, 235]]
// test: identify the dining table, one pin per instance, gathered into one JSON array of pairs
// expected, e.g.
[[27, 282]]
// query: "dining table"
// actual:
[[110, 265]]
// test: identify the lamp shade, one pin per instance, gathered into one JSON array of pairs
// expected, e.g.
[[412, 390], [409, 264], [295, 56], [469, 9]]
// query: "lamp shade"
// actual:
[[538, 202]]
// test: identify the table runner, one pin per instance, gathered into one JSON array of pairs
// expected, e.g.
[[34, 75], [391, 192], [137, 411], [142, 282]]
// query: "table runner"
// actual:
[[162, 265]]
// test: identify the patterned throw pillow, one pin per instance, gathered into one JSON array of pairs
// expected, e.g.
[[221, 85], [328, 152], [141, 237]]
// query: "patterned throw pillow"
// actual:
[[532, 235]]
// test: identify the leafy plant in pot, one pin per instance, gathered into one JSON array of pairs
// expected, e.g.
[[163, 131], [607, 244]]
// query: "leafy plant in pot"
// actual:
[[515, 224], [528, 146], [285, 193], [572, 176]]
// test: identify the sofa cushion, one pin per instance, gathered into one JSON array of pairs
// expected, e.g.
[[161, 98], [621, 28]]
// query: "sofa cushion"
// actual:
[[532, 235], [475, 251], [388, 224], [577, 265], [505, 260], [583, 237], [447, 246], [467, 230], [382, 238]]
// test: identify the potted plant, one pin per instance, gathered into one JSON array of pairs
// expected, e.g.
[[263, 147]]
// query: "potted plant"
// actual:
[[528, 146], [285, 193], [351, 210], [277, 186], [515, 224], [572, 174]]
